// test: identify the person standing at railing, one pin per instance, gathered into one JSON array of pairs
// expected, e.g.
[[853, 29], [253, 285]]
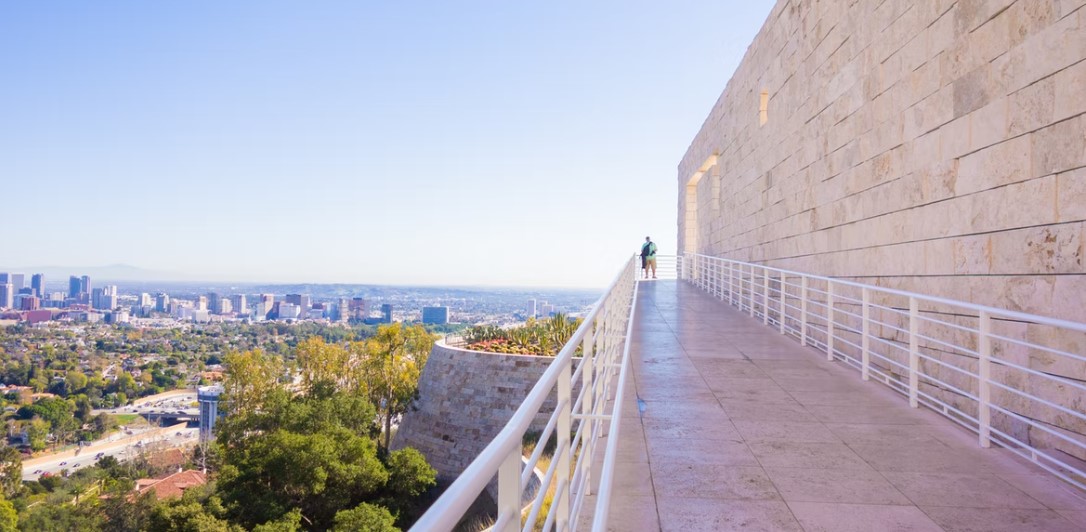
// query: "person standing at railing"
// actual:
[[648, 257]]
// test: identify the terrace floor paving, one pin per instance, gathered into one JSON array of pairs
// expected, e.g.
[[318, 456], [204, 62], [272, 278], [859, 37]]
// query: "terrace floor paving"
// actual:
[[727, 425]]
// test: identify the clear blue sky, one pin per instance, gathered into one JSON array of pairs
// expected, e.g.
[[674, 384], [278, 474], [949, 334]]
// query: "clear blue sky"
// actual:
[[501, 143]]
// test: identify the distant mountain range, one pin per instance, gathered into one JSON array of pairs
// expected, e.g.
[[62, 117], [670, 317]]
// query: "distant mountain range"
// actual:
[[112, 272]]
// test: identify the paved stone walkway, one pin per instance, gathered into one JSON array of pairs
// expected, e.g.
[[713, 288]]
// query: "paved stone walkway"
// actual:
[[735, 427]]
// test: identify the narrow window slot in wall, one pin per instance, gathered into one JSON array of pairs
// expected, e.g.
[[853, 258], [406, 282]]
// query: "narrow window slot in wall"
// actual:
[[763, 109]]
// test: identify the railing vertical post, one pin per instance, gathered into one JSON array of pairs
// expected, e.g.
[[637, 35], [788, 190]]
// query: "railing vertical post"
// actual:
[[586, 394], [829, 320], [783, 312], [984, 389], [509, 489], [565, 428], [914, 353], [865, 358], [765, 296], [750, 290], [731, 283], [803, 311]]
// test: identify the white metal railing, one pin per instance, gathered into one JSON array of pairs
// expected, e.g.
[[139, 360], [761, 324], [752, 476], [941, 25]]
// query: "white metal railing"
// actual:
[[588, 397], [1013, 378]]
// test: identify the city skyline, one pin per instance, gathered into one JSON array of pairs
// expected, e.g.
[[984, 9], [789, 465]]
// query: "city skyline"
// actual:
[[478, 145]]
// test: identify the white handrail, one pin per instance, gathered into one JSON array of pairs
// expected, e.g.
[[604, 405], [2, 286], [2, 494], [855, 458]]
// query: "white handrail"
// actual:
[[917, 346], [502, 457]]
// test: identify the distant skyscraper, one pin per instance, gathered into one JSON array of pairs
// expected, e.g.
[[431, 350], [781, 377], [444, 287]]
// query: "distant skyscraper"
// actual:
[[75, 287], [240, 304], [37, 283], [5, 277], [105, 298], [19, 280], [85, 284], [386, 313], [435, 315], [358, 308], [30, 303], [530, 310], [214, 303], [162, 302], [7, 295], [200, 303], [145, 300], [343, 310], [302, 300], [289, 311]]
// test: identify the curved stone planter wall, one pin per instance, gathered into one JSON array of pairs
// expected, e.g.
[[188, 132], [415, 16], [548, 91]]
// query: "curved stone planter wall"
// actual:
[[466, 397]]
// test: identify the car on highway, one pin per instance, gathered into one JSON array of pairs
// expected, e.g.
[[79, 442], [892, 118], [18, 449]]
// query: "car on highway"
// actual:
[[75, 464], [37, 472], [64, 463]]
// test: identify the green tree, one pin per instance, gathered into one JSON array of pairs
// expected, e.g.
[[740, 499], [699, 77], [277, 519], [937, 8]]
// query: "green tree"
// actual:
[[390, 370], [321, 364], [9, 518], [37, 431], [313, 453], [11, 472], [250, 377], [365, 517]]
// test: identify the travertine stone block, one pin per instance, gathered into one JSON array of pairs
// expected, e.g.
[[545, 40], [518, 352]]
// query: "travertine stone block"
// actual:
[[956, 138], [972, 255], [1071, 196], [1070, 91], [973, 13], [1026, 18], [1059, 147], [989, 124], [1032, 107], [1023, 204], [1007, 162], [1048, 249]]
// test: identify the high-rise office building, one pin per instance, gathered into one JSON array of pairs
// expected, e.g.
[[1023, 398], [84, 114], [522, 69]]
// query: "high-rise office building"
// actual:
[[358, 308], [302, 300], [145, 300], [208, 398], [37, 283], [162, 302], [7, 295], [239, 303], [29, 302], [5, 277], [530, 309], [214, 303], [85, 285], [386, 313], [435, 315], [289, 311], [74, 287], [343, 310], [200, 303], [19, 280], [105, 298]]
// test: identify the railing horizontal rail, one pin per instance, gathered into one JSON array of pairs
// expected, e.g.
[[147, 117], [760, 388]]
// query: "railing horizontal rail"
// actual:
[[943, 354], [580, 412]]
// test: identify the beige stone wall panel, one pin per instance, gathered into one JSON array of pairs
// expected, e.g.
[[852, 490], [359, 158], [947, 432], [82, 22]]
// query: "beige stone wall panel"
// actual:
[[936, 146]]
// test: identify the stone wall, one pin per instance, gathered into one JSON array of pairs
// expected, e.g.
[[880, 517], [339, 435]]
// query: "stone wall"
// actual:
[[465, 399], [935, 146]]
